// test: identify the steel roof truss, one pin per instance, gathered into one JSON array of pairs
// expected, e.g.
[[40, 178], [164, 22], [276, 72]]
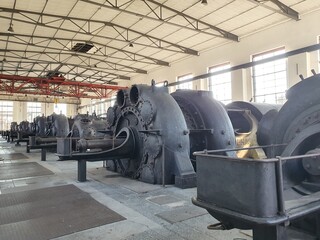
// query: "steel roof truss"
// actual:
[[73, 19], [219, 32], [283, 9]]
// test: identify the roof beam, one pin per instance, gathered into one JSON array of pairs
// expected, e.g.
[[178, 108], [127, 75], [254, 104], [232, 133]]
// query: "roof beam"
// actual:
[[159, 62], [110, 65], [193, 24], [154, 40], [117, 76], [94, 78], [284, 9], [45, 86], [100, 53]]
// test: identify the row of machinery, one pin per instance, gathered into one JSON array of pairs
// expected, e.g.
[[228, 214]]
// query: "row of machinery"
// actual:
[[261, 167], [256, 166]]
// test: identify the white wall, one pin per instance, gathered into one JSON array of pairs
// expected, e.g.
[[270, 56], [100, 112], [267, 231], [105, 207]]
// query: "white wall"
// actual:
[[291, 34]]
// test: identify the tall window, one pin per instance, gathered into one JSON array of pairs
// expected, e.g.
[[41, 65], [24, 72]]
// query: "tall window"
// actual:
[[101, 108], [60, 108], [220, 85], [188, 85], [270, 79], [33, 110], [111, 102], [6, 114]]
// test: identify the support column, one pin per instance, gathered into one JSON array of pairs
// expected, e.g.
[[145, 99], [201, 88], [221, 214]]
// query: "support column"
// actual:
[[43, 154], [82, 170], [241, 85], [276, 232]]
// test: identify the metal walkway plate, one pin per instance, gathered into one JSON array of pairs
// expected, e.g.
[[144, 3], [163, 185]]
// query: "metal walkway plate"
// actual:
[[22, 170], [163, 199], [51, 212], [182, 214], [13, 156]]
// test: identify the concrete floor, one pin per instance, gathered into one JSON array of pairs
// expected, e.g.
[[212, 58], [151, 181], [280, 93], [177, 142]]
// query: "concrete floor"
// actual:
[[151, 211]]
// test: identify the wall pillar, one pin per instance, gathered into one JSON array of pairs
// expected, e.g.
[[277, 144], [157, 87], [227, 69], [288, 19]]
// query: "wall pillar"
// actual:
[[241, 85]]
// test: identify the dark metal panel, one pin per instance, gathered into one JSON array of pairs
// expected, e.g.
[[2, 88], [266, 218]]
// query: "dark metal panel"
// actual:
[[22, 170], [51, 212]]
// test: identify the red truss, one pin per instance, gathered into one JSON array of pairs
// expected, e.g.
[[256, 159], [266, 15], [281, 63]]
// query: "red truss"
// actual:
[[55, 86]]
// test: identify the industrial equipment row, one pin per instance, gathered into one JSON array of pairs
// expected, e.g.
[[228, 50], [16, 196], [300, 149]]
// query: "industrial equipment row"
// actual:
[[256, 166]]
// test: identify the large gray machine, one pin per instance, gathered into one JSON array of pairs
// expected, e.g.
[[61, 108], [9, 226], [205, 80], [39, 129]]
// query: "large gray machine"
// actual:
[[277, 196], [148, 139], [151, 135]]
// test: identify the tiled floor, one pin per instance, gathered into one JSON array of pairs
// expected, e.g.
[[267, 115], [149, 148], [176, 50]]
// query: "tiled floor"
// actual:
[[151, 211]]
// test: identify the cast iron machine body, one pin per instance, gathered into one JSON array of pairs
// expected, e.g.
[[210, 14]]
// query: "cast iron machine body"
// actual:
[[207, 121], [276, 194], [88, 126], [25, 129], [13, 132], [47, 131], [148, 139], [40, 125]]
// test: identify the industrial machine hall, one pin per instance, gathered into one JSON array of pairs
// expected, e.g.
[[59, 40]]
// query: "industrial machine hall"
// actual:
[[160, 119]]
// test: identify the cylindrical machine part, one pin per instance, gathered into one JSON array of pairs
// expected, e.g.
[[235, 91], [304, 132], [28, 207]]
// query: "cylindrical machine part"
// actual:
[[83, 144], [257, 109], [265, 126], [121, 98], [40, 140]]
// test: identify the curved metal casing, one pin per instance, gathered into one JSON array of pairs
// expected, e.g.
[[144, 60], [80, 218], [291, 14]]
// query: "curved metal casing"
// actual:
[[40, 126], [207, 120], [58, 125], [88, 127], [161, 126], [257, 109], [297, 114]]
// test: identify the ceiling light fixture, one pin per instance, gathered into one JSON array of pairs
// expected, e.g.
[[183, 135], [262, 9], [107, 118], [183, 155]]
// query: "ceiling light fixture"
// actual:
[[130, 44], [10, 29], [204, 2]]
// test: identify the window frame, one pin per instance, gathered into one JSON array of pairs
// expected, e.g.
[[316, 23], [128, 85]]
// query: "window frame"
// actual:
[[6, 117], [210, 85], [32, 112], [254, 76], [183, 76]]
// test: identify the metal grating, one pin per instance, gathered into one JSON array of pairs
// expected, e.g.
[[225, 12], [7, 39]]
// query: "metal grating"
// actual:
[[22, 170], [13, 156], [51, 212]]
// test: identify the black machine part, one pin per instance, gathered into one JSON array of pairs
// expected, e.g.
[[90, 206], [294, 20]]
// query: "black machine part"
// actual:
[[57, 125], [252, 197], [87, 126], [298, 113], [265, 126], [207, 121], [257, 109], [126, 145], [158, 138]]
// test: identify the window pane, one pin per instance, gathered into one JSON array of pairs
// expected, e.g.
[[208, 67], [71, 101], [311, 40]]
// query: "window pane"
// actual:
[[270, 79], [188, 85], [33, 110], [220, 85], [60, 108], [6, 114]]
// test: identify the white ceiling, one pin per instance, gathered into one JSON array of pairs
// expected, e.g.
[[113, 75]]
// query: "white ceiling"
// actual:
[[161, 32]]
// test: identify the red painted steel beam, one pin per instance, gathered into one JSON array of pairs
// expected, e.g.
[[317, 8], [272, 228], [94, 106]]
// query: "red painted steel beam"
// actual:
[[46, 86]]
